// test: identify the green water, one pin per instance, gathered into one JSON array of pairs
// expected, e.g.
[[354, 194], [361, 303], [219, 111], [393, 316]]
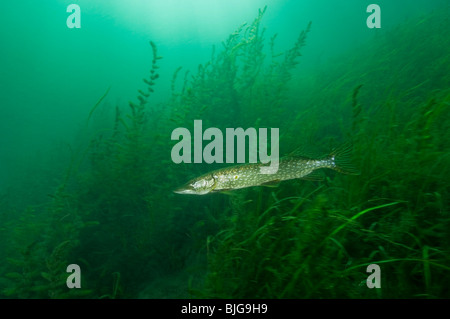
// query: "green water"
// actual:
[[87, 175]]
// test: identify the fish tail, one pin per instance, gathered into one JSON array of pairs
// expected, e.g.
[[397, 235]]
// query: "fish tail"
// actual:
[[341, 160]]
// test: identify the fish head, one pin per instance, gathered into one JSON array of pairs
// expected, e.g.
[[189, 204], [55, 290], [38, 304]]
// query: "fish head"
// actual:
[[198, 186]]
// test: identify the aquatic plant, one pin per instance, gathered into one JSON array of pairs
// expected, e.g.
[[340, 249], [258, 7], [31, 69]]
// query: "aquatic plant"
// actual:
[[238, 80], [45, 246]]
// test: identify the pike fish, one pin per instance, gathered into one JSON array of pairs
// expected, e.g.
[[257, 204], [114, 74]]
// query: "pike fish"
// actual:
[[249, 175]]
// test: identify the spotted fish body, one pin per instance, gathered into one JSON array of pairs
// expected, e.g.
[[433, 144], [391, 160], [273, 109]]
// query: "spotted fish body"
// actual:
[[248, 175]]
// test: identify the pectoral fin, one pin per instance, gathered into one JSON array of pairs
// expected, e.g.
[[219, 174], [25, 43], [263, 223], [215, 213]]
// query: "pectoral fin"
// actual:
[[273, 183], [228, 192]]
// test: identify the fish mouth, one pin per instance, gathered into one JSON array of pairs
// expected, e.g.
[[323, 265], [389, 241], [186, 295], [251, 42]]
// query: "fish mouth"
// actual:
[[179, 191], [189, 189], [185, 189]]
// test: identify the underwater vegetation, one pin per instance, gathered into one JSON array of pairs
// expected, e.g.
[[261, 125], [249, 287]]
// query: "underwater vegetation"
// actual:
[[114, 214]]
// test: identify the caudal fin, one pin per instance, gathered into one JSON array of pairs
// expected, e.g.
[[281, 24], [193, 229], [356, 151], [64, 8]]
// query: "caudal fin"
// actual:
[[341, 159]]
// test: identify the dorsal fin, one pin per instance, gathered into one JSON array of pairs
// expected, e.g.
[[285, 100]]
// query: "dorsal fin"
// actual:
[[305, 151]]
